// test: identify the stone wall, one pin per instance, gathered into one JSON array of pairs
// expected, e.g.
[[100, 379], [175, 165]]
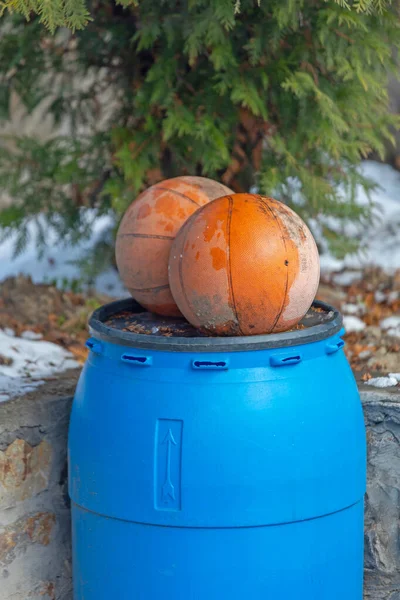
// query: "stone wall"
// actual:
[[35, 549], [35, 554], [382, 520]]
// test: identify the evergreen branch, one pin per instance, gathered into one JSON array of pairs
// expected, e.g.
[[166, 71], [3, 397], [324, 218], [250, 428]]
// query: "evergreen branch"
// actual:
[[365, 6], [74, 14], [53, 13]]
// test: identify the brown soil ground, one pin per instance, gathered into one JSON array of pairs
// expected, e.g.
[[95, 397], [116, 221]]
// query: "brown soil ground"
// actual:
[[60, 317]]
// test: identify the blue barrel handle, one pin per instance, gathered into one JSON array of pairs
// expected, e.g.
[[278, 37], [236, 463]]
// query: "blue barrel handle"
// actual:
[[221, 365], [334, 345], [284, 360], [94, 346], [137, 361]]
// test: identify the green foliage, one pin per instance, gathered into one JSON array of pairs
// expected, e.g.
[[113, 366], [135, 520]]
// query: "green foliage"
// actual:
[[287, 95], [74, 13], [52, 13]]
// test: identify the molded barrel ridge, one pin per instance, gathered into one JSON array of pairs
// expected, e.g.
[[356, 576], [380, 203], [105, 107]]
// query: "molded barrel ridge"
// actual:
[[201, 467]]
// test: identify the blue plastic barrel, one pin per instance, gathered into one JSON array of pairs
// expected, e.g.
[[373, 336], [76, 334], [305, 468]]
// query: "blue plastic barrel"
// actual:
[[216, 468]]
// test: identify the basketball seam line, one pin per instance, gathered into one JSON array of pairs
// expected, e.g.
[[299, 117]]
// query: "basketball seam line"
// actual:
[[148, 235], [230, 284], [160, 187], [156, 288], [181, 274], [287, 274]]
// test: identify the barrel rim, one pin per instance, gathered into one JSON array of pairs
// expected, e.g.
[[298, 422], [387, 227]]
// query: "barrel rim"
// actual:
[[308, 335]]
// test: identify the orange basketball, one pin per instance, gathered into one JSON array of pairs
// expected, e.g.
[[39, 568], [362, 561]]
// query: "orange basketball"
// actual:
[[244, 265], [147, 231]]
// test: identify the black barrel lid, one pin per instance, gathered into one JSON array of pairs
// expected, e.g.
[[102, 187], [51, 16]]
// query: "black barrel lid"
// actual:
[[126, 323]]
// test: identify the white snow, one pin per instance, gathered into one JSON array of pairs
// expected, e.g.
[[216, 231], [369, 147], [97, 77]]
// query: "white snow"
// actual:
[[393, 296], [31, 335], [390, 322], [352, 323], [382, 382], [395, 376], [379, 297], [381, 237], [32, 361], [391, 325], [353, 309], [347, 277], [394, 331], [57, 262]]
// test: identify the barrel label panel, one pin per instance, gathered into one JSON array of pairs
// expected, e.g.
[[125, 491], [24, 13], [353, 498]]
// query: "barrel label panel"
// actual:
[[168, 464]]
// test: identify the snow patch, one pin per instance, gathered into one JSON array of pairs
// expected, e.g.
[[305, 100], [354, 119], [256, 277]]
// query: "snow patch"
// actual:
[[352, 323], [389, 322], [56, 265], [394, 332], [391, 325], [395, 376], [353, 309], [31, 362], [382, 382], [347, 277], [379, 297], [380, 237], [31, 335], [393, 296]]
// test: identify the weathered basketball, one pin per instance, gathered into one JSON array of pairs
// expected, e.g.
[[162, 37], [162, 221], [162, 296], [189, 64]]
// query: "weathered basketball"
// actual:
[[147, 231], [244, 264]]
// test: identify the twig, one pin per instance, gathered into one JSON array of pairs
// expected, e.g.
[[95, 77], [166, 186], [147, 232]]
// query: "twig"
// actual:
[[344, 36]]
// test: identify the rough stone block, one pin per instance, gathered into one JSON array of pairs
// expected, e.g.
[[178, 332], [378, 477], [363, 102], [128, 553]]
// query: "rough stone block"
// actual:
[[382, 502], [24, 471], [35, 544]]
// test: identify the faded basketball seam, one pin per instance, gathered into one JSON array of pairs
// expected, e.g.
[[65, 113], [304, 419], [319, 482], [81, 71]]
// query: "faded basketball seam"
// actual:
[[228, 247], [159, 187], [186, 232], [292, 219], [156, 288], [287, 274], [147, 235]]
